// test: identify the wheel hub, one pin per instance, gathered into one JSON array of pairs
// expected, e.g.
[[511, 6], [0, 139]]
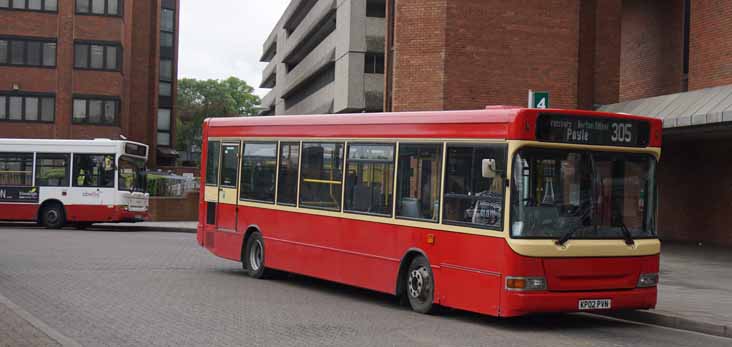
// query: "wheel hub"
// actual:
[[256, 255], [417, 283], [52, 216]]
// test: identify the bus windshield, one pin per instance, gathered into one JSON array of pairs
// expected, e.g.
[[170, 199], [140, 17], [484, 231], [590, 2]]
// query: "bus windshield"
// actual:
[[131, 174], [593, 195]]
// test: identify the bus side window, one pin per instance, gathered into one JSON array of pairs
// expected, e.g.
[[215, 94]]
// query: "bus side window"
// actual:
[[94, 170], [473, 198], [289, 166], [16, 169], [370, 179], [258, 170], [212, 162], [418, 181], [52, 170], [322, 175]]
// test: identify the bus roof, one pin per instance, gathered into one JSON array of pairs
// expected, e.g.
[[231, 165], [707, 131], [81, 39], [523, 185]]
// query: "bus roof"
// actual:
[[61, 146], [499, 122]]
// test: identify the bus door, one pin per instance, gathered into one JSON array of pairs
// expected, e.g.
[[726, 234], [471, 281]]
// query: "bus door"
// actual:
[[226, 209], [93, 192]]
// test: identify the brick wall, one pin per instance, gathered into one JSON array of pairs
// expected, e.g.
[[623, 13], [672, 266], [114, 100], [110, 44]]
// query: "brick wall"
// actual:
[[419, 59], [497, 50], [652, 48], [135, 85], [174, 209], [695, 191], [711, 44]]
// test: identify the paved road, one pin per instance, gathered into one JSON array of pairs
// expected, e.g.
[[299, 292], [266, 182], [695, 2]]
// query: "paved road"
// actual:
[[104, 288]]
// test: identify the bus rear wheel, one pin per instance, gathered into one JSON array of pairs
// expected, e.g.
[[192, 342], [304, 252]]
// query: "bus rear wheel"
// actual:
[[52, 216], [420, 285], [254, 256]]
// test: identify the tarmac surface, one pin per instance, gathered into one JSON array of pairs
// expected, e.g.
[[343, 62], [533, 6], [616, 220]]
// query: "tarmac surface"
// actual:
[[129, 288]]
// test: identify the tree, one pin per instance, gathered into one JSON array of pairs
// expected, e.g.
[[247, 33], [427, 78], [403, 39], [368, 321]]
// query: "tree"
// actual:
[[199, 99]]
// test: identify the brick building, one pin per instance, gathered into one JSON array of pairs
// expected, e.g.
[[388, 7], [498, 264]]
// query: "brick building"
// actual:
[[665, 58], [78, 69]]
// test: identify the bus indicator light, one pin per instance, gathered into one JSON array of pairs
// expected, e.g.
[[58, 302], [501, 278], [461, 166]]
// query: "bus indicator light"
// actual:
[[431, 239]]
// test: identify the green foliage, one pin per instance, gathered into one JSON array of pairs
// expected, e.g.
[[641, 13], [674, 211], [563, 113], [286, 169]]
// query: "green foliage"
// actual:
[[199, 99]]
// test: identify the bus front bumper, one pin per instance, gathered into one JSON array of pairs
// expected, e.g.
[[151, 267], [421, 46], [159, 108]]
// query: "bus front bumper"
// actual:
[[522, 303], [124, 215]]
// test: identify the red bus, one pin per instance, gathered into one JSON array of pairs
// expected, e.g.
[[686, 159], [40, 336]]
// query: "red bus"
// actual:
[[503, 211]]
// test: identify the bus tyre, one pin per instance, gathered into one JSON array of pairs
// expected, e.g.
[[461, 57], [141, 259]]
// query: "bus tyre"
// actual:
[[53, 217], [254, 256], [420, 285]]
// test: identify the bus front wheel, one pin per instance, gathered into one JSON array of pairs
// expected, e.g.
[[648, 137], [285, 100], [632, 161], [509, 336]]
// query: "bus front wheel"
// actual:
[[420, 285], [53, 217], [254, 256]]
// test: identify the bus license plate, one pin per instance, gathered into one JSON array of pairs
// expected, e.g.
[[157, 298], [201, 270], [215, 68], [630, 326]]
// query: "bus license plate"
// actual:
[[600, 304]]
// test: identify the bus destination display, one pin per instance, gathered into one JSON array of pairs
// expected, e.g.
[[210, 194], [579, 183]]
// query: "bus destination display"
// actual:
[[592, 131]]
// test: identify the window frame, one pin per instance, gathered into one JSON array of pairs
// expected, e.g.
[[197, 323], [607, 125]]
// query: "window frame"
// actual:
[[276, 174], [103, 99], [74, 176], [67, 168], [23, 96], [474, 145], [230, 143], [394, 177], [25, 40], [297, 176], [301, 178], [217, 162], [158, 131], [26, 8], [441, 178], [105, 45], [120, 9], [32, 167]]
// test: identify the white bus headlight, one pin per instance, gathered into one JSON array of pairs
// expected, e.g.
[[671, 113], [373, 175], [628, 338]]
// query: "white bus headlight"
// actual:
[[648, 280], [525, 283]]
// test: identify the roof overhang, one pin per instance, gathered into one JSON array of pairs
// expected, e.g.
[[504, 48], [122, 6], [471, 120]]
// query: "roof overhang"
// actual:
[[709, 106]]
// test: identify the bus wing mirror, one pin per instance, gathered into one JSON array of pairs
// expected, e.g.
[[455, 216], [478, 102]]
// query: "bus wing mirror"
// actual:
[[489, 168]]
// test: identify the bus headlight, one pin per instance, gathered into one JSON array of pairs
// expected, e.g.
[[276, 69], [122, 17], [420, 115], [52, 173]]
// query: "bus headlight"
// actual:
[[648, 280], [525, 283]]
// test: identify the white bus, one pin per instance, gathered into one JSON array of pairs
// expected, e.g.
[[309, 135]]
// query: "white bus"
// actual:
[[72, 182]]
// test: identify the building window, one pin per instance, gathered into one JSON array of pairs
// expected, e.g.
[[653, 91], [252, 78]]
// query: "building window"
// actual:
[[166, 40], [322, 175], [97, 56], [99, 7], [166, 70], [370, 179], [52, 170], [164, 126], [167, 20], [258, 172], [376, 8], [166, 89], [16, 169], [27, 52], [212, 162], [418, 181], [94, 170], [30, 5], [374, 63], [96, 110], [28, 108], [289, 168], [475, 185]]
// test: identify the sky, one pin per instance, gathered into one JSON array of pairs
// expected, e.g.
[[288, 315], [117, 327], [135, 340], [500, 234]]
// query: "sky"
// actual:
[[223, 38]]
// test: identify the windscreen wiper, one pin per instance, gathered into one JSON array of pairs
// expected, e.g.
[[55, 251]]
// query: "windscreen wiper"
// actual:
[[562, 240], [627, 235]]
